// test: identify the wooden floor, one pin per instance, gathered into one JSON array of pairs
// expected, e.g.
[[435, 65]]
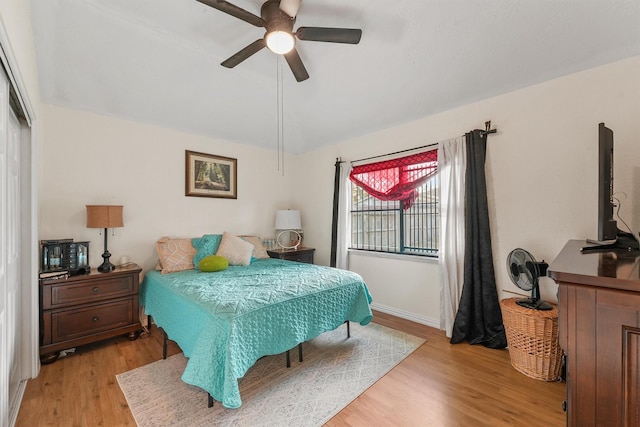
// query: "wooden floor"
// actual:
[[438, 385]]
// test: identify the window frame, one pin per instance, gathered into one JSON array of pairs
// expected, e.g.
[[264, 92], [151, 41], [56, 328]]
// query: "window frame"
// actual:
[[429, 218]]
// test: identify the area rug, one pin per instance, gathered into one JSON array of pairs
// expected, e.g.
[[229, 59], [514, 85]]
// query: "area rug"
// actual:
[[335, 371]]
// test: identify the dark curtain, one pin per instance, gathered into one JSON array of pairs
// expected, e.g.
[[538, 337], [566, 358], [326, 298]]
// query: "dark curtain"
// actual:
[[479, 319], [334, 221]]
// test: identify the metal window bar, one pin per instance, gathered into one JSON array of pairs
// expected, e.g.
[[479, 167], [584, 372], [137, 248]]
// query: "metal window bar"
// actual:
[[417, 232], [402, 216], [385, 227]]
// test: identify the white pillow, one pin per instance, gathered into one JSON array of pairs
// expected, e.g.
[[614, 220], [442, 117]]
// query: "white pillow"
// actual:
[[235, 250], [259, 252]]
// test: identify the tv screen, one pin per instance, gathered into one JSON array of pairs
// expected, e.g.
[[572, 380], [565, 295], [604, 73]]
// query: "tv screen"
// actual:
[[607, 227]]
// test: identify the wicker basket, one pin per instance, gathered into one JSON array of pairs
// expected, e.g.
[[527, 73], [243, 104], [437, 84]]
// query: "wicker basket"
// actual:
[[532, 336]]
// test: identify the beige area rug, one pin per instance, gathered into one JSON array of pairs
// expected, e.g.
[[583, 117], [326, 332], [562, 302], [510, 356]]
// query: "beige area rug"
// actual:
[[335, 371]]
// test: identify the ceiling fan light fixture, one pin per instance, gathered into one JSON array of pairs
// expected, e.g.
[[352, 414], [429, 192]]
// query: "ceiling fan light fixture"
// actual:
[[280, 42]]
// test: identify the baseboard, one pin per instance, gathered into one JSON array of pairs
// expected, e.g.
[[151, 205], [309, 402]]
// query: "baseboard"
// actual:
[[406, 315], [14, 407]]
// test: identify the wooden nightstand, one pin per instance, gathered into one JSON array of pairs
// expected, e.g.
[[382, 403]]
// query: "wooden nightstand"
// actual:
[[87, 308], [301, 254]]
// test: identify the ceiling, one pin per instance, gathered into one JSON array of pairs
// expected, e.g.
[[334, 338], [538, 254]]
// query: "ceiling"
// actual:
[[158, 61]]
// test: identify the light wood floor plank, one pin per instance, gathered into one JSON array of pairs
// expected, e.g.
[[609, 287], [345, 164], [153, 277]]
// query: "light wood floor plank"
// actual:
[[438, 385]]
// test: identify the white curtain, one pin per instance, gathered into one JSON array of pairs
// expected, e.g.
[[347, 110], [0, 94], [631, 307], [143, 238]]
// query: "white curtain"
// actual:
[[452, 164], [344, 217]]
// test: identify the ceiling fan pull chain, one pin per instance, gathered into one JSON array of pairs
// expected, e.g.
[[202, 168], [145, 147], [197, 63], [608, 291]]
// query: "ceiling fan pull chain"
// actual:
[[280, 113]]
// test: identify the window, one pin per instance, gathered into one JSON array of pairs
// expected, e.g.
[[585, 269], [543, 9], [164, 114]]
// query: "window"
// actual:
[[394, 205]]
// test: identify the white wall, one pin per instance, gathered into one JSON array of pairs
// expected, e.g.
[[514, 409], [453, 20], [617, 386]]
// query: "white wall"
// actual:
[[93, 159], [541, 172], [16, 18]]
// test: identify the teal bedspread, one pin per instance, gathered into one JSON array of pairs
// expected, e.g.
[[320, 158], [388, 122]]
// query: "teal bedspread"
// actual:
[[225, 321]]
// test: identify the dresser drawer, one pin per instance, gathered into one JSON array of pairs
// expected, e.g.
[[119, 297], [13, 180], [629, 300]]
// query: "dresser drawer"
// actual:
[[70, 324], [66, 294], [83, 309]]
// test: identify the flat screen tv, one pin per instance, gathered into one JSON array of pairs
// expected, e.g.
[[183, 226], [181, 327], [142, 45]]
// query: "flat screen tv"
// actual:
[[607, 226], [609, 236]]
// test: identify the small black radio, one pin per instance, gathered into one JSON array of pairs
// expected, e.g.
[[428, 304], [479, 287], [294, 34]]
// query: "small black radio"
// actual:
[[64, 255]]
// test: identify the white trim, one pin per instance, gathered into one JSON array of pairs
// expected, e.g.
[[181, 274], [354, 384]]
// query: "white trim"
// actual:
[[15, 79], [13, 415], [30, 360], [32, 316], [389, 255], [434, 323]]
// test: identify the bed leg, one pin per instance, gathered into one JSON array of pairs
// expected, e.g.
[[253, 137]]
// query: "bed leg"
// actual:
[[348, 328], [209, 401], [288, 359], [164, 344], [300, 352]]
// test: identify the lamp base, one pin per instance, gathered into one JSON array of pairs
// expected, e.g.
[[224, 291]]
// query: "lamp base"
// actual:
[[106, 265], [289, 247]]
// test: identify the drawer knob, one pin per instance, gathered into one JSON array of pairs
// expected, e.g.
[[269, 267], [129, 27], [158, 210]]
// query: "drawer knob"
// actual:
[[95, 319], [95, 289]]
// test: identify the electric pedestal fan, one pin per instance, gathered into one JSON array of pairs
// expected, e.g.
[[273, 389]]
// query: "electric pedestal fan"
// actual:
[[524, 272]]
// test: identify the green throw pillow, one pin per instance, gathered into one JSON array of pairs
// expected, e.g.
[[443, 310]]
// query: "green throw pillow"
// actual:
[[213, 263]]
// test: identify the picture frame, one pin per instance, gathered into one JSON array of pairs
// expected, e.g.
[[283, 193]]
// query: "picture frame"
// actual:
[[208, 175]]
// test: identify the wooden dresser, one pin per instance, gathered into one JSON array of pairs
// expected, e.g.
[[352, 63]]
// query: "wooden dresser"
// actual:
[[87, 308], [301, 254], [599, 331]]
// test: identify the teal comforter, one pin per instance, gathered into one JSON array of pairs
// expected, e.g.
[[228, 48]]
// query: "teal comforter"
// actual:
[[225, 321]]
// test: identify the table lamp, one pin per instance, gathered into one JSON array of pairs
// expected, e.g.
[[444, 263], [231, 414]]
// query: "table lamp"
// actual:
[[288, 221], [104, 216]]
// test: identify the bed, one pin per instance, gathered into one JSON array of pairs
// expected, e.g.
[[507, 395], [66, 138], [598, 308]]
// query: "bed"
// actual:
[[225, 321]]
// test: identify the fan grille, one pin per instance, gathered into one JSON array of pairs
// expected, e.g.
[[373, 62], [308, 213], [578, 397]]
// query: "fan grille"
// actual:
[[523, 269]]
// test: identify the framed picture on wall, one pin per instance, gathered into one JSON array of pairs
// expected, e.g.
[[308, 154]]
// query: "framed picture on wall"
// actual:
[[211, 176]]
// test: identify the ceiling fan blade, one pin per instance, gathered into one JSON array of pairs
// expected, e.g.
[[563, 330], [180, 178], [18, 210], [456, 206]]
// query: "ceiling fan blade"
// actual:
[[290, 7], [243, 54], [296, 65], [233, 10], [334, 35]]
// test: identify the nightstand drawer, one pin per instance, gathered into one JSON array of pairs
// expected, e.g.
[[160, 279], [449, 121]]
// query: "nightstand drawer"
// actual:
[[61, 295], [70, 324], [302, 254], [303, 257]]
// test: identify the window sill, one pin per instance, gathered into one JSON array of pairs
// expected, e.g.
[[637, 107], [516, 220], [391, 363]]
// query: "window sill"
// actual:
[[403, 257]]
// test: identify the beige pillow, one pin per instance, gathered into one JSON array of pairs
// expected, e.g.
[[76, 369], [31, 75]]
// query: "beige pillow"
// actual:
[[259, 251], [235, 250], [176, 254]]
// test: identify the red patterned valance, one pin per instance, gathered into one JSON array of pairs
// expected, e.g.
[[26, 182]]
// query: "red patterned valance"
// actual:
[[396, 179]]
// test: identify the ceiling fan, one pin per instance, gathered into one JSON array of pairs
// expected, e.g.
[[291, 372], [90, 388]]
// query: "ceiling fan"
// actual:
[[278, 17]]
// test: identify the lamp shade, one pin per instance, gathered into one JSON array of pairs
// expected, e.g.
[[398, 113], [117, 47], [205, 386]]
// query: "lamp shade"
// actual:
[[104, 216], [288, 220]]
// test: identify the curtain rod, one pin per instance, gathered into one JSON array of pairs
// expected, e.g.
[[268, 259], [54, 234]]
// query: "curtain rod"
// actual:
[[394, 153], [487, 131], [487, 128]]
